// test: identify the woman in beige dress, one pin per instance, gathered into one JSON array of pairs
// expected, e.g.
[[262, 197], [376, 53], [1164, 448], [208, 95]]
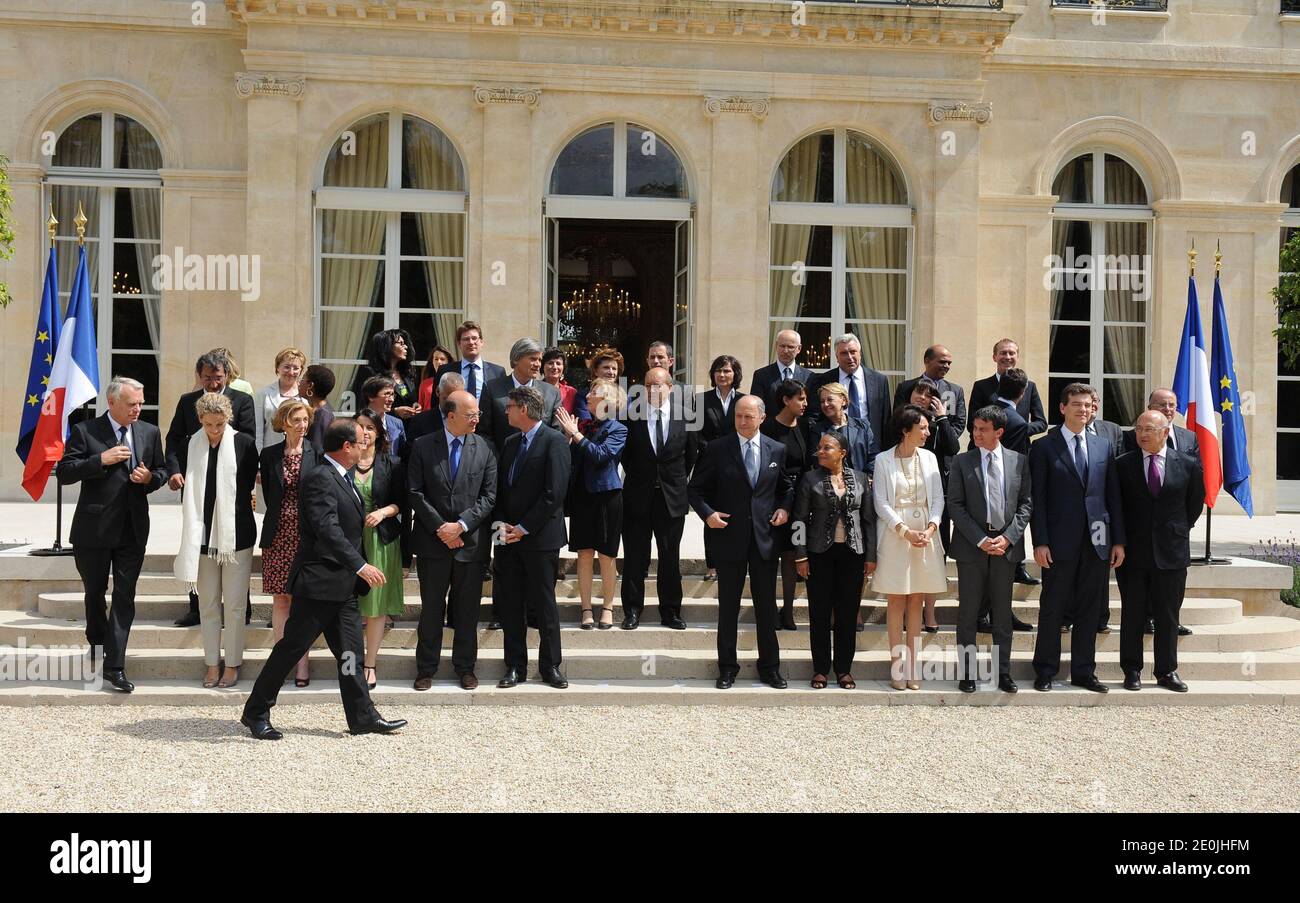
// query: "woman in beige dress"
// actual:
[[908, 494]]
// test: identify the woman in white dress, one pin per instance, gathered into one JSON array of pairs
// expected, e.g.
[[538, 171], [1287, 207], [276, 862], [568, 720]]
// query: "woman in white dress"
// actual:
[[908, 494]]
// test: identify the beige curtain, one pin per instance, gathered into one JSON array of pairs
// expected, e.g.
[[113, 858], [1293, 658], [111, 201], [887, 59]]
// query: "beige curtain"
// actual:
[[434, 165], [349, 282], [146, 222], [790, 243], [871, 179], [1060, 240]]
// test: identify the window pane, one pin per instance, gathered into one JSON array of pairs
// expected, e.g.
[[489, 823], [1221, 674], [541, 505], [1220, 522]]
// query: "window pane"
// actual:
[[1282, 368], [429, 159], [1291, 188], [143, 367], [359, 157], [66, 199], [1288, 456], [1069, 350], [794, 244], [1123, 184], [1126, 292], [133, 146], [870, 176], [807, 173], [80, 144], [875, 296], [1051, 401], [1288, 403], [351, 283], [133, 267], [1122, 400], [1125, 350], [352, 232], [1073, 184], [135, 323], [1071, 302], [586, 165], [883, 347], [433, 234], [136, 212], [431, 284], [653, 168], [875, 248], [792, 301], [428, 330]]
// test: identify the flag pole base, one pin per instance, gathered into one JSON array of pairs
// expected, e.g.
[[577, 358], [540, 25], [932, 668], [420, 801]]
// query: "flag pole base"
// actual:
[[53, 550], [1204, 560]]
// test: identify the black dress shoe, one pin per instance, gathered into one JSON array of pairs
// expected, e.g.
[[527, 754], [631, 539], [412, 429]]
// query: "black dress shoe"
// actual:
[[554, 678], [631, 620], [510, 678], [1090, 683], [984, 625], [1172, 681], [380, 727], [1022, 576], [189, 619], [787, 619], [1065, 628], [861, 626], [1007, 685], [1042, 684], [966, 686], [117, 680], [725, 681], [674, 623], [493, 625], [1133, 680], [928, 629], [1150, 627], [774, 680], [1184, 631], [1020, 626], [260, 728], [1104, 628]]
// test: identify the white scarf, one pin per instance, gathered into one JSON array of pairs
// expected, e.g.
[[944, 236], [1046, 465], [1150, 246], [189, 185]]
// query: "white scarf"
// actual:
[[221, 544]]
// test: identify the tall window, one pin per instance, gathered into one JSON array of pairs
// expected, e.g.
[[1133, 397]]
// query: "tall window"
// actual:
[[108, 163], [1288, 378], [841, 251], [1101, 290], [391, 220]]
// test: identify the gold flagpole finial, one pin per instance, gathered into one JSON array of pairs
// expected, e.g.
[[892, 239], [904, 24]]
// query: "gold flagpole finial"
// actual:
[[80, 221], [52, 224], [1191, 258], [1218, 258]]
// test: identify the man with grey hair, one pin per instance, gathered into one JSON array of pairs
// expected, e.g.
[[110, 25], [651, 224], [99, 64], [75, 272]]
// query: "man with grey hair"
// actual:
[[767, 380], [868, 389], [525, 370], [427, 423], [118, 459]]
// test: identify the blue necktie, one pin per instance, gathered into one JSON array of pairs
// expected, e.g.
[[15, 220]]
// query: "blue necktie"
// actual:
[[455, 457], [855, 399], [523, 450], [751, 463], [471, 382], [1081, 459]]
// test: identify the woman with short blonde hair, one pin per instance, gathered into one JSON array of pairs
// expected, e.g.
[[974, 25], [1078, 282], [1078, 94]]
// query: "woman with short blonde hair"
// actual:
[[290, 364]]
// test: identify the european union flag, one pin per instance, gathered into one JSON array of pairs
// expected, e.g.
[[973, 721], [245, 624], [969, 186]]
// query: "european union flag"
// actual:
[[1227, 398], [43, 345]]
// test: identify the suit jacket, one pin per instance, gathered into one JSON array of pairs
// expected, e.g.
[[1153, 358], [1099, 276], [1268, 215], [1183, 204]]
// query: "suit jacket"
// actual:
[[643, 470], [595, 460], [185, 423], [329, 538], [1030, 406], [426, 423], [1066, 512], [968, 504], [885, 498], [108, 497], [1016, 434], [954, 398], [879, 407], [1112, 433], [487, 372], [492, 421], [1180, 439], [535, 500], [388, 487], [1159, 529], [721, 483], [271, 465], [437, 499], [814, 508], [716, 423], [766, 379], [863, 443]]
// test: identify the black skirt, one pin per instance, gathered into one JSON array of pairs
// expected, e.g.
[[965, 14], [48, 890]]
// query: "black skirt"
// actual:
[[596, 520]]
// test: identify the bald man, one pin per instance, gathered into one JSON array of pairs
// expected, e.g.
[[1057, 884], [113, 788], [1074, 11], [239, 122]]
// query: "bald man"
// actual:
[[1180, 439], [786, 366]]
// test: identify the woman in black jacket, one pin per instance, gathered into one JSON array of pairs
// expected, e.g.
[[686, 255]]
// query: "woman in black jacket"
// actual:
[[381, 481]]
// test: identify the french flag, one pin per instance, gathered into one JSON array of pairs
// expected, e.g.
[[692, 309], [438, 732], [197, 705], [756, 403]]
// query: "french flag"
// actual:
[[74, 380], [1195, 400]]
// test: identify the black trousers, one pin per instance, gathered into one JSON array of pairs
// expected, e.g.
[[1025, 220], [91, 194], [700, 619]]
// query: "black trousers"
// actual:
[[1154, 593], [989, 577], [835, 580], [667, 533], [110, 629], [1073, 585], [465, 580], [524, 582], [308, 619], [762, 585]]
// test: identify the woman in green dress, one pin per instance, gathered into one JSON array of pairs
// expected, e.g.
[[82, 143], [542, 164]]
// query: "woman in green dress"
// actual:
[[382, 483]]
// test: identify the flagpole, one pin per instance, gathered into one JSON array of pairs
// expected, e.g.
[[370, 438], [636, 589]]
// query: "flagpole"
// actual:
[[1209, 511]]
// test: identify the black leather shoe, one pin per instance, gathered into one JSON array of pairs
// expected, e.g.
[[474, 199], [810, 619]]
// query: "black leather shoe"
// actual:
[[1022, 576], [861, 626], [928, 629], [1042, 684], [1104, 628], [774, 680], [510, 678], [554, 678], [1184, 631], [1172, 681], [966, 686], [260, 728], [190, 619], [631, 620], [1090, 683], [1133, 680], [380, 727], [1065, 628], [493, 625], [787, 619], [1007, 685], [1020, 626], [1150, 627], [117, 680], [725, 681], [674, 623], [984, 625]]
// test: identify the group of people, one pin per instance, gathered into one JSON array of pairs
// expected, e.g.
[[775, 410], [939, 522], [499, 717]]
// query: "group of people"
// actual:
[[468, 469]]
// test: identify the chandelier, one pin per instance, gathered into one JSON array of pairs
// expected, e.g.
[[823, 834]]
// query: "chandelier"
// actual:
[[603, 302]]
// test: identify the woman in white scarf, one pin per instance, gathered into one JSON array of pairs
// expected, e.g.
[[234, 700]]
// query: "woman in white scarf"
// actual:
[[218, 533]]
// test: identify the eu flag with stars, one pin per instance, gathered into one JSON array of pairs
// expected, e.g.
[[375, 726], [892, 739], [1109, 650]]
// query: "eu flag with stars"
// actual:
[[1227, 401], [43, 345]]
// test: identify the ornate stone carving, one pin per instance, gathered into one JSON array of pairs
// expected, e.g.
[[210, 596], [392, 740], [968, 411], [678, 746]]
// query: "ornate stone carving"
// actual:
[[950, 110], [754, 105], [250, 84], [486, 94]]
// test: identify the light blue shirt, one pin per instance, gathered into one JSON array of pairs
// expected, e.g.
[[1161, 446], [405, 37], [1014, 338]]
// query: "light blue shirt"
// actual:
[[478, 380]]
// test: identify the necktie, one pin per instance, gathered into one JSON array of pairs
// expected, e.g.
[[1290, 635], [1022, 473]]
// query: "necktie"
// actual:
[[355, 491], [659, 432], [523, 450], [455, 457], [1081, 459], [786, 371], [121, 436], [855, 399], [751, 463], [995, 493], [1153, 475], [1170, 441], [471, 384]]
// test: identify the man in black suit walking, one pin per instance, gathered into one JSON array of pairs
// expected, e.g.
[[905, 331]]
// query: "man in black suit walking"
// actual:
[[742, 490], [327, 575], [766, 379], [472, 368], [1006, 354], [532, 480], [868, 389], [938, 361], [1163, 492], [453, 482], [118, 460]]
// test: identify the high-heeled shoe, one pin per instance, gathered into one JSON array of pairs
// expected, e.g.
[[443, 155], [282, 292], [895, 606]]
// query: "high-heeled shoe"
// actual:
[[372, 679], [588, 621], [914, 685], [606, 611], [898, 685], [225, 684], [210, 682], [301, 682]]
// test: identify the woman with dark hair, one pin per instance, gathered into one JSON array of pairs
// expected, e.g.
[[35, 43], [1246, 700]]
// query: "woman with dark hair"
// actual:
[[718, 407], [788, 426], [554, 366], [438, 358], [381, 483], [391, 354], [316, 387]]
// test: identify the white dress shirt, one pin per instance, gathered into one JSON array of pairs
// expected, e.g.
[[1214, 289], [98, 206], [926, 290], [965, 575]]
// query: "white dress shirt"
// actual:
[[130, 437], [726, 402], [664, 413]]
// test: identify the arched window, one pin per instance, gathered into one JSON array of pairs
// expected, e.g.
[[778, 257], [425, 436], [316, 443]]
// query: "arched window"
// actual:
[[841, 250], [390, 214], [1100, 283], [1288, 378], [108, 163]]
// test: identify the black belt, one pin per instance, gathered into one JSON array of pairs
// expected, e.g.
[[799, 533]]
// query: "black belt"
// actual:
[[993, 531]]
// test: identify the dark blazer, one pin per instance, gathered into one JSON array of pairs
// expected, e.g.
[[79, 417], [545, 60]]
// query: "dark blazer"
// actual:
[[1185, 439], [487, 372], [643, 469], [799, 450], [329, 538], [535, 501], [715, 422], [595, 460], [863, 445], [108, 497], [388, 487], [720, 483], [1030, 405], [766, 379], [271, 465], [437, 500], [879, 408], [426, 423], [492, 421], [1159, 529], [968, 505], [814, 508], [1016, 434], [320, 422], [1112, 433], [185, 423], [954, 398], [1065, 511]]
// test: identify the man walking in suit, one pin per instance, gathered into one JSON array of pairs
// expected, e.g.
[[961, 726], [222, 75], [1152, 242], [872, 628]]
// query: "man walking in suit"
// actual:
[[118, 460], [453, 488], [938, 361], [868, 389], [742, 490], [1163, 493], [532, 479], [989, 502], [327, 574], [766, 379], [471, 367], [526, 370], [1006, 355], [1078, 532], [1180, 438]]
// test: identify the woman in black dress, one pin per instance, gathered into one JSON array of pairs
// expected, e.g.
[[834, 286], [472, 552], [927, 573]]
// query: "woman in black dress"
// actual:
[[391, 354], [789, 426]]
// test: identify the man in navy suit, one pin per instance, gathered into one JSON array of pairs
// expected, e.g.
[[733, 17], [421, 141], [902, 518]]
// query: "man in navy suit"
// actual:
[[1006, 355], [1078, 531], [766, 379], [868, 389], [742, 491], [938, 361], [471, 366]]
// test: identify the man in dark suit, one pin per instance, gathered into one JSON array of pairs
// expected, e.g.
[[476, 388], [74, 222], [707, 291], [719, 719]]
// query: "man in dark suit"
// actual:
[[766, 379], [1078, 532], [938, 361], [657, 461], [475, 371], [453, 489], [1180, 438], [989, 501], [532, 480], [327, 575], [429, 422], [118, 460], [1006, 355], [1163, 492], [868, 389], [742, 491], [526, 370]]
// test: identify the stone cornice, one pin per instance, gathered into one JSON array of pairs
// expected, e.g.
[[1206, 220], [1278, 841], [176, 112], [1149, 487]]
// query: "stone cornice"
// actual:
[[257, 84], [1266, 214], [529, 97], [958, 110], [218, 180], [755, 105]]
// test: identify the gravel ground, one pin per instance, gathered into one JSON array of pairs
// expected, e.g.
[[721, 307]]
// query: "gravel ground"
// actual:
[[710, 758]]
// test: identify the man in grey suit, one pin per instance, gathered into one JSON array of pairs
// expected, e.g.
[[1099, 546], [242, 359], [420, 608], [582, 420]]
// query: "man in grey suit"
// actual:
[[990, 504], [525, 370], [453, 488]]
